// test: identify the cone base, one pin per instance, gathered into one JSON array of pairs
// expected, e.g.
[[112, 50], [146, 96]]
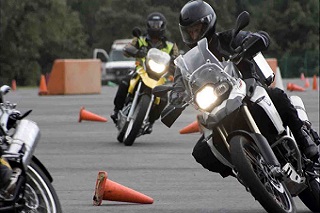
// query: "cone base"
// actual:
[[99, 189], [109, 190], [43, 93]]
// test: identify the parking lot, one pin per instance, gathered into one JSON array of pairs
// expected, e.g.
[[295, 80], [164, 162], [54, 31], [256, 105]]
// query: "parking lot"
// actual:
[[159, 165]]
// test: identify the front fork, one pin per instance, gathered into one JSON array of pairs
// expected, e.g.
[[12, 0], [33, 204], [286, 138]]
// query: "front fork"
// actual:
[[135, 102]]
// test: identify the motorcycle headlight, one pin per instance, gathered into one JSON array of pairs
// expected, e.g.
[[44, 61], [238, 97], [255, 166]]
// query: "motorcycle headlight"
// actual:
[[156, 67], [207, 96]]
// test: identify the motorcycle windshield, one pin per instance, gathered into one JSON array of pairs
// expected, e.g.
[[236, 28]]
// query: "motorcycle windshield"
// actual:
[[192, 61]]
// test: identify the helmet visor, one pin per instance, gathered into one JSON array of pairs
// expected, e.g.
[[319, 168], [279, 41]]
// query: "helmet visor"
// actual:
[[192, 33], [155, 24]]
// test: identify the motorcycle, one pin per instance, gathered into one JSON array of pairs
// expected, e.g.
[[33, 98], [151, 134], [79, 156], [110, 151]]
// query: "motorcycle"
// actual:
[[29, 188], [133, 119], [271, 167]]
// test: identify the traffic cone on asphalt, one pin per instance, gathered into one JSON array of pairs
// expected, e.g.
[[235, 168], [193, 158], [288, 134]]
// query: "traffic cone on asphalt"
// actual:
[[191, 128], [302, 76], [315, 84], [294, 87], [307, 84], [13, 85], [109, 190], [43, 86], [89, 116]]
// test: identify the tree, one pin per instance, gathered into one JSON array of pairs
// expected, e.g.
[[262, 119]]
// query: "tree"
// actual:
[[34, 34], [294, 30]]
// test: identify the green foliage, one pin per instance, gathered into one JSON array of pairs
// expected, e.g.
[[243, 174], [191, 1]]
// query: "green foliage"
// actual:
[[294, 29], [35, 33]]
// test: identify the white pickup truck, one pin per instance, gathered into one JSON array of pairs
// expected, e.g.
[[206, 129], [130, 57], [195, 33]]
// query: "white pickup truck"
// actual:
[[115, 65]]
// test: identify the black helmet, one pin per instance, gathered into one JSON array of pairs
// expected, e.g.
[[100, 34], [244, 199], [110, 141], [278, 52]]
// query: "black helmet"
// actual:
[[197, 20], [156, 25]]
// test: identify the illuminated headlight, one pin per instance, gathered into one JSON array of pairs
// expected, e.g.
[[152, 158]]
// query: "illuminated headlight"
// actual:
[[206, 97], [156, 67]]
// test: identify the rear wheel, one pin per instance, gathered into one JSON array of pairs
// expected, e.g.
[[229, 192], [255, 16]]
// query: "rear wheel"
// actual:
[[40, 196], [254, 172], [135, 123]]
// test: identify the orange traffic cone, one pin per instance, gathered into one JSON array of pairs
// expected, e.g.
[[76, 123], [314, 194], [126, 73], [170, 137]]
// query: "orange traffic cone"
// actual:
[[294, 87], [89, 116], [13, 85], [191, 128], [307, 84], [109, 190], [315, 84], [302, 76], [43, 86]]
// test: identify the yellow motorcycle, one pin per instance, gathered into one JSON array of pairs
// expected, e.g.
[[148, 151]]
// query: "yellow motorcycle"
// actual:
[[141, 104]]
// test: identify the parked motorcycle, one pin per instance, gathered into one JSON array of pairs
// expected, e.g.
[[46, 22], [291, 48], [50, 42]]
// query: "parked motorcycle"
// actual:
[[133, 119], [271, 167], [29, 188]]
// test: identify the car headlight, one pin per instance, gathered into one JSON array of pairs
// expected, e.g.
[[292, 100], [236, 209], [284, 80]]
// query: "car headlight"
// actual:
[[206, 97], [156, 67]]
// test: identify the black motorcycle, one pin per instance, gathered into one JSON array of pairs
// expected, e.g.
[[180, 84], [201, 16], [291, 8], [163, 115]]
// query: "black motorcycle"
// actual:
[[29, 188]]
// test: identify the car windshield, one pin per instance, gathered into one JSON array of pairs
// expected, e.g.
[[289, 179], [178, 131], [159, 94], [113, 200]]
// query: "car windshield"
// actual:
[[117, 55]]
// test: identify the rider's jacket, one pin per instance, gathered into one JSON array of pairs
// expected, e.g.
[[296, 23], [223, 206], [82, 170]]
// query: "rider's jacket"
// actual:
[[162, 44], [219, 45]]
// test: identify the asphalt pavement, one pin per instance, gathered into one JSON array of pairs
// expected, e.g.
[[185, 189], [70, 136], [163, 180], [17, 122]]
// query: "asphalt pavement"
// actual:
[[158, 165]]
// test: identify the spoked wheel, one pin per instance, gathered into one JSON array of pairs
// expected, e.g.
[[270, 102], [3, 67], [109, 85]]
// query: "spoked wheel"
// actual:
[[135, 124], [254, 172], [40, 196]]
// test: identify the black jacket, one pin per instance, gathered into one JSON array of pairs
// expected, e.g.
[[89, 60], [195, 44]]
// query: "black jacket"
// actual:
[[219, 45]]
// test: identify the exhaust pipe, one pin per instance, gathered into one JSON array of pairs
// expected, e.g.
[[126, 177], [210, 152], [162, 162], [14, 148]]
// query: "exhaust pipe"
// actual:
[[25, 139]]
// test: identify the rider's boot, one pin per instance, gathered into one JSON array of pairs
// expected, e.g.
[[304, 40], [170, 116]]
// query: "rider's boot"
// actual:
[[114, 116], [5, 173], [149, 129], [309, 148]]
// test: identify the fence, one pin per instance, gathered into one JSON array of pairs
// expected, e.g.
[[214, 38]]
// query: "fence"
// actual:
[[293, 65]]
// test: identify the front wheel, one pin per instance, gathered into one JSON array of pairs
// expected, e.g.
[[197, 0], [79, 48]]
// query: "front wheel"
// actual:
[[254, 172], [40, 196], [311, 195], [135, 123]]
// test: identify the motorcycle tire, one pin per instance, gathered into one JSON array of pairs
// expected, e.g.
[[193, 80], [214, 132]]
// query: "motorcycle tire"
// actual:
[[134, 125], [40, 195], [122, 132], [271, 193], [311, 196]]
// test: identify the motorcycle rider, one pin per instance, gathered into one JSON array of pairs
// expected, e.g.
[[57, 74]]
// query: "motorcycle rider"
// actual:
[[138, 48], [198, 20]]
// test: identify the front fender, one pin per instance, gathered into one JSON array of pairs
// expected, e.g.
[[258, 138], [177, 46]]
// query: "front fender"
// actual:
[[261, 143], [42, 167]]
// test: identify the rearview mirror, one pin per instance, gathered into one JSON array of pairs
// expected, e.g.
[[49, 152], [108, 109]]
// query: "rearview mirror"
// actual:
[[242, 21], [4, 90]]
